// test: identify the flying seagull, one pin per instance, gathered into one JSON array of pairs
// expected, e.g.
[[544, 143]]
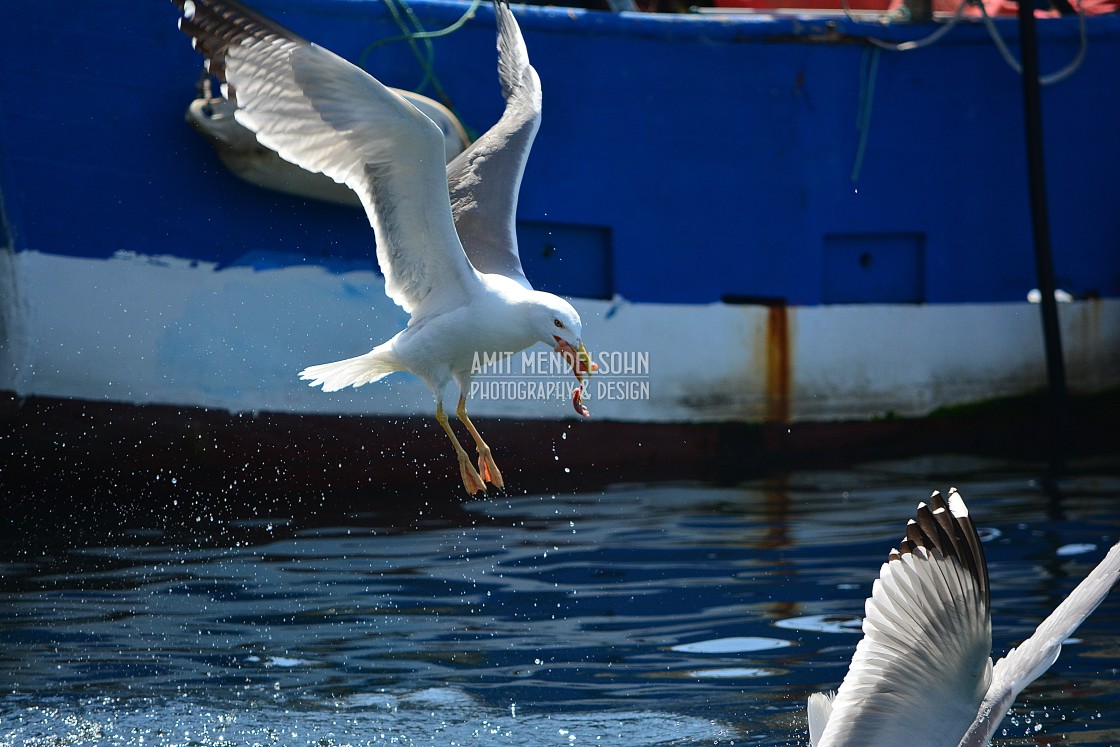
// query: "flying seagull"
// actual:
[[922, 675], [459, 277]]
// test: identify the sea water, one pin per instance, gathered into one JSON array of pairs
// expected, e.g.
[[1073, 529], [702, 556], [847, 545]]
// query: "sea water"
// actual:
[[666, 614]]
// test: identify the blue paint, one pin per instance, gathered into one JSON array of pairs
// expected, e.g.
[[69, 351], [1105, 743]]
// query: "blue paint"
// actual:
[[559, 258], [869, 268], [683, 159]]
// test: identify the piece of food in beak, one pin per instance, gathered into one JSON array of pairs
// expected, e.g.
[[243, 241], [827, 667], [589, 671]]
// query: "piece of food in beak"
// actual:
[[577, 401], [582, 365]]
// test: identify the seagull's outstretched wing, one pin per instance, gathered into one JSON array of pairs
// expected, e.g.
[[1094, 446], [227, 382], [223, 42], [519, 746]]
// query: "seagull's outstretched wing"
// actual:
[[1029, 660], [923, 665], [324, 114], [485, 178]]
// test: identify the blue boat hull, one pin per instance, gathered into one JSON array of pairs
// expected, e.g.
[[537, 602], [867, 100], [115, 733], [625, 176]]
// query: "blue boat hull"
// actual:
[[802, 226]]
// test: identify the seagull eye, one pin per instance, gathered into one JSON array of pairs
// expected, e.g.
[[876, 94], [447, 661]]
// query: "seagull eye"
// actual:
[[558, 323]]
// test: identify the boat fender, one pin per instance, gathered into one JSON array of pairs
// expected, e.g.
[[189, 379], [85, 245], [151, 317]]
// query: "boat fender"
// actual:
[[239, 151]]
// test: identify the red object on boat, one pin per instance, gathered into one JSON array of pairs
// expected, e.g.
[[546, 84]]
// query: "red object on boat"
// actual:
[[882, 5], [994, 7]]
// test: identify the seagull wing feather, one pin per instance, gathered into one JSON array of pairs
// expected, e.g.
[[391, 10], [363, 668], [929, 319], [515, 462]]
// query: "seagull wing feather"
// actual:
[[1026, 662], [324, 114], [484, 179], [923, 664]]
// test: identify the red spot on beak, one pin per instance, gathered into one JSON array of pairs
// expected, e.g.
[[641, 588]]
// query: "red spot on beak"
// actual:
[[570, 355]]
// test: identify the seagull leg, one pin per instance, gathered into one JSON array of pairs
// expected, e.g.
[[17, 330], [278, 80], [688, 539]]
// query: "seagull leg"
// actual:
[[486, 466], [471, 480]]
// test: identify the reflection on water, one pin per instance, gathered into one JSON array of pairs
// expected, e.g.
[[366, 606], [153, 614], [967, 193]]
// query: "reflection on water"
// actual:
[[664, 614]]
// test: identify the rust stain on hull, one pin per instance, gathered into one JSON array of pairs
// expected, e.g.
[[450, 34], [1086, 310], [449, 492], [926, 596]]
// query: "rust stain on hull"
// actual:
[[779, 364]]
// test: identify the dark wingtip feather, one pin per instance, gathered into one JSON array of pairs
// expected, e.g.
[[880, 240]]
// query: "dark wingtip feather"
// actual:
[[945, 528], [216, 25]]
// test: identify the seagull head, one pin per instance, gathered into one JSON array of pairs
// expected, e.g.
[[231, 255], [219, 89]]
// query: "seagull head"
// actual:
[[558, 325]]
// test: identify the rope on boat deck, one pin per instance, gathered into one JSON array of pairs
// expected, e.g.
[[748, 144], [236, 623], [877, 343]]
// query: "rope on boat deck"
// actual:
[[997, 39], [1045, 80], [869, 65]]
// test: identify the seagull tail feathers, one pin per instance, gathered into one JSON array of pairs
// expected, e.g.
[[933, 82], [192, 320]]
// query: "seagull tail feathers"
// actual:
[[363, 369], [820, 709]]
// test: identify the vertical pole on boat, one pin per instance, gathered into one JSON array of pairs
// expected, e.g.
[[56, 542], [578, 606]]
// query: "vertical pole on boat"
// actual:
[[1040, 224]]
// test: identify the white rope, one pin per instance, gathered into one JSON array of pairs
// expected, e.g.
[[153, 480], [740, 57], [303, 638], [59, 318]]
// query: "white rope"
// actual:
[[993, 31], [1009, 58]]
